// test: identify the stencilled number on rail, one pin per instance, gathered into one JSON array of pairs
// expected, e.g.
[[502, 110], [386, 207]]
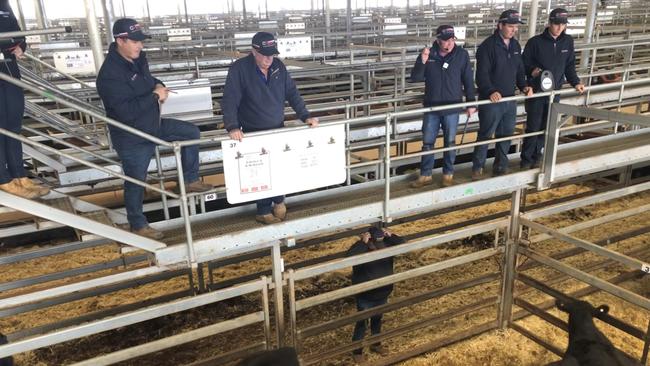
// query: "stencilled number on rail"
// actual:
[[210, 197], [645, 267]]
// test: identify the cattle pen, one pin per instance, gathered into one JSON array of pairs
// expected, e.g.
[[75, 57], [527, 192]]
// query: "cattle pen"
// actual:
[[484, 261]]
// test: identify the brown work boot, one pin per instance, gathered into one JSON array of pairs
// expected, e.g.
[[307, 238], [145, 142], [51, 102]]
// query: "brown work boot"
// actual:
[[447, 180], [149, 232], [379, 349], [422, 181], [14, 187], [280, 211], [29, 184], [197, 187], [358, 358], [477, 174], [267, 219]]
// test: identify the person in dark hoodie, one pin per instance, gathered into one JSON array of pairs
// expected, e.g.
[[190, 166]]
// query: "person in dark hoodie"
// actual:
[[447, 74], [12, 106], [131, 95], [499, 68], [373, 239], [253, 100], [551, 50]]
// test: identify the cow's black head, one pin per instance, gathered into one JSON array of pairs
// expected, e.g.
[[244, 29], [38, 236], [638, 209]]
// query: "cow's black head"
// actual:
[[580, 307]]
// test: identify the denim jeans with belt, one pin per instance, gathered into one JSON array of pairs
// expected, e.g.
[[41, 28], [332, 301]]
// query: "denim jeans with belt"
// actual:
[[431, 124], [375, 321], [496, 119], [136, 159]]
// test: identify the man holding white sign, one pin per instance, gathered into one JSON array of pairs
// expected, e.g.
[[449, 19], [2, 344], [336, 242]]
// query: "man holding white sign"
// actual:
[[253, 100]]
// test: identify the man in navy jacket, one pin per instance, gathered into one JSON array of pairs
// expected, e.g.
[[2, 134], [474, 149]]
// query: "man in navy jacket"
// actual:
[[447, 74], [131, 95], [553, 51], [253, 100], [373, 239], [499, 68], [12, 107]]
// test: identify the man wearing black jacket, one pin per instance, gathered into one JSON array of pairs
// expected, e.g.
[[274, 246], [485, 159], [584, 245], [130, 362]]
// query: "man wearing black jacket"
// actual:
[[253, 100], [499, 67], [447, 74], [131, 95], [373, 239], [12, 106], [553, 51]]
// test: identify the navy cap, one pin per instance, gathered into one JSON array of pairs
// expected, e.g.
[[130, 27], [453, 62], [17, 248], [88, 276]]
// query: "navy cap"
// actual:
[[445, 32], [376, 233], [559, 16], [129, 28], [265, 43], [510, 17]]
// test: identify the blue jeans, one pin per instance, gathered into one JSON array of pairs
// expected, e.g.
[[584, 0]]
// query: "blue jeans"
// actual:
[[265, 206], [496, 119], [12, 107], [136, 160], [431, 124], [536, 116], [375, 321]]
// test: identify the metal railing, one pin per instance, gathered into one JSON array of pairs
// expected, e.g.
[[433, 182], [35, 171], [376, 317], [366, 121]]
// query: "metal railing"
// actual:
[[504, 252], [259, 317], [389, 119]]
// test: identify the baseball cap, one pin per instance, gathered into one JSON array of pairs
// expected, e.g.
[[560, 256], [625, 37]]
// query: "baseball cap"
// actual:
[[445, 32], [129, 28], [265, 43], [510, 17], [376, 233], [559, 16]]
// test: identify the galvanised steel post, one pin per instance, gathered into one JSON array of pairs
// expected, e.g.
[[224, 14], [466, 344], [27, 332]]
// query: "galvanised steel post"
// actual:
[[589, 32], [510, 262], [191, 255], [93, 34]]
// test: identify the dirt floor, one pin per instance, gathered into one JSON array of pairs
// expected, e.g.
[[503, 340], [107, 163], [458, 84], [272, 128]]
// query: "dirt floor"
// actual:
[[492, 348]]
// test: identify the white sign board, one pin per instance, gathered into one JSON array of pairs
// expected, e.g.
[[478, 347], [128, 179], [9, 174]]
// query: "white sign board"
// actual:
[[31, 40], [273, 165], [576, 26], [460, 33], [189, 100], [396, 20], [294, 46], [605, 16], [294, 26], [77, 63], [179, 34]]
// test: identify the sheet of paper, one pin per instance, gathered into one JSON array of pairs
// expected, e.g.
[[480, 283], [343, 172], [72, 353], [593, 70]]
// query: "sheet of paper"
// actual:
[[272, 165]]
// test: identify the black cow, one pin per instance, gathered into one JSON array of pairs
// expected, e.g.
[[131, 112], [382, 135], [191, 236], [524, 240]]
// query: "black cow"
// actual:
[[587, 345], [7, 361], [285, 356]]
